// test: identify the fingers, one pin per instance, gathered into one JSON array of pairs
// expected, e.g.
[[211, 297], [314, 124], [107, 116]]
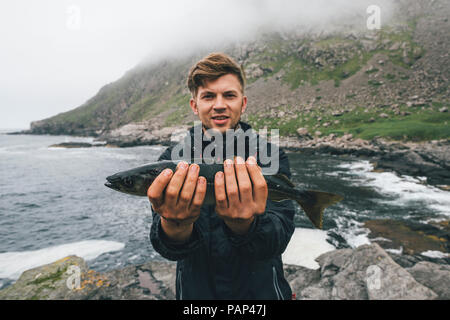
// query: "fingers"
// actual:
[[245, 185], [175, 185], [189, 186], [231, 186], [220, 193], [199, 196], [184, 192], [155, 192], [260, 190]]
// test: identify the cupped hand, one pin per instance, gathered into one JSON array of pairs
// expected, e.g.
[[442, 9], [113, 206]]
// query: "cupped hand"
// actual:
[[241, 193], [177, 198]]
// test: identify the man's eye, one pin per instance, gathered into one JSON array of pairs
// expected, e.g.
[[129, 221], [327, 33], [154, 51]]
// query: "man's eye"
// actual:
[[208, 96], [231, 95]]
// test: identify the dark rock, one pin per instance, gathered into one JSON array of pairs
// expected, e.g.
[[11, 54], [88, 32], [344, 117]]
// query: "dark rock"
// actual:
[[72, 145], [424, 160], [405, 260]]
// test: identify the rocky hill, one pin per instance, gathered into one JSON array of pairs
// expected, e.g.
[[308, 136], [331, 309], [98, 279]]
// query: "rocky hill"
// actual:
[[390, 83]]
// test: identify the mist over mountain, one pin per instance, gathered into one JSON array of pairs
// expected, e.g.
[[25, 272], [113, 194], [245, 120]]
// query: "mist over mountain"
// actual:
[[314, 66]]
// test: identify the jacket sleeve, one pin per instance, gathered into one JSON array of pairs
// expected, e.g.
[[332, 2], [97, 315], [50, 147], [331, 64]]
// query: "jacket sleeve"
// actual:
[[169, 249], [162, 244], [270, 232]]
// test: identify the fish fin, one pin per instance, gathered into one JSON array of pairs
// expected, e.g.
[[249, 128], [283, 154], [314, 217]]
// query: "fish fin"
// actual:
[[315, 206], [277, 196], [285, 179]]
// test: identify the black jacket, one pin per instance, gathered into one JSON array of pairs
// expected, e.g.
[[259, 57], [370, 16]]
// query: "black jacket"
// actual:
[[215, 263]]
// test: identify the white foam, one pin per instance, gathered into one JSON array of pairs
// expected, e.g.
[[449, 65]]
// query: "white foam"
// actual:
[[404, 189], [305, 246], [395, 251], [362, 166], [377, 239], [351, 230], [435, 254], [12, 264]]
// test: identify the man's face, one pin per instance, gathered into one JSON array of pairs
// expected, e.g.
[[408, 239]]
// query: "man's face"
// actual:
[[220, 103]]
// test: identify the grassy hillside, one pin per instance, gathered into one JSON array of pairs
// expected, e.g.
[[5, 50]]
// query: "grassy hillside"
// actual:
[[420, 123], [391, 83]]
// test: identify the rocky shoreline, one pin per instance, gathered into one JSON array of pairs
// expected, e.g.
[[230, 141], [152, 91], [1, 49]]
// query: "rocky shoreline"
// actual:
[[430, 159], [364, 273]]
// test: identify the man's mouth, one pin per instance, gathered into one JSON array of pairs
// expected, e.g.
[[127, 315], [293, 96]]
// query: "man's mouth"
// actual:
[[220, 119]]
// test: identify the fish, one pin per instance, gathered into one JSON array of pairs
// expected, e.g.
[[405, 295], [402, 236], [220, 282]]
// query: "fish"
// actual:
[[136, 181]]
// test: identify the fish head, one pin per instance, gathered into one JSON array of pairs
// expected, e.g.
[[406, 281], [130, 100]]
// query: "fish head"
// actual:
[[135, 181], [122, 183]]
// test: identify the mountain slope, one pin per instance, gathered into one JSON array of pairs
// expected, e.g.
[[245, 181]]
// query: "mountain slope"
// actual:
[[391, 82]]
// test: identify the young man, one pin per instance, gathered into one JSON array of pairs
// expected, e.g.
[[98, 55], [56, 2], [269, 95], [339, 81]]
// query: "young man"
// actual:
[[230, 250]]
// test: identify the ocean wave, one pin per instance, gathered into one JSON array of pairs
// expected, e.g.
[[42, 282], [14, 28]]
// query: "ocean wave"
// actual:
[[401, 190], [12, 264]]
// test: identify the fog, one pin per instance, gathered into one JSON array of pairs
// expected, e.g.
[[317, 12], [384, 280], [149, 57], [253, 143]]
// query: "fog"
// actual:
[[56, 54]]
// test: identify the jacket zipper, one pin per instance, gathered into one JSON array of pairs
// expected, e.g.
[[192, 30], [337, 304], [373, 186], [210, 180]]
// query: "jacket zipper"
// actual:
[[276, 286], [179, 284]]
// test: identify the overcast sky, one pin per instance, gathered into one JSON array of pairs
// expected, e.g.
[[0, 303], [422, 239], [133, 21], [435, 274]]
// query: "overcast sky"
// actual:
[[56, 54]]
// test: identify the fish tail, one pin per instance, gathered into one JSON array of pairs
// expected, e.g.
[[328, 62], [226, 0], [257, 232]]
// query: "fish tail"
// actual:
[[315, 205]]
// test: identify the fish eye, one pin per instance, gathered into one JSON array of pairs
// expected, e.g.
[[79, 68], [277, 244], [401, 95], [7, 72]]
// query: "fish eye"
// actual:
[[127, 181]]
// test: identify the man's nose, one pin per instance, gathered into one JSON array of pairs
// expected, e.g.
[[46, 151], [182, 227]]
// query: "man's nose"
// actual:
[[219, 103]]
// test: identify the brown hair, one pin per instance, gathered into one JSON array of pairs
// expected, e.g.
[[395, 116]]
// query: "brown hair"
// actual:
[[212, 67]]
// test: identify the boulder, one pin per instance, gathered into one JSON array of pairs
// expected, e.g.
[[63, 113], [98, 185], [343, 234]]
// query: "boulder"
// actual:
[[45, 282], [70, 279], [302, 132], [434, 276], [300, 278], [366, 272], [347, 136]]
